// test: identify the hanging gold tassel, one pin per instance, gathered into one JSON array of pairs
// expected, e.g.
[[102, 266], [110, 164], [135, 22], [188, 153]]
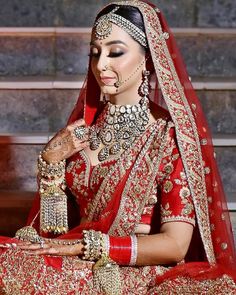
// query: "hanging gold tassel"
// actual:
[[53, 210], [106, 276]]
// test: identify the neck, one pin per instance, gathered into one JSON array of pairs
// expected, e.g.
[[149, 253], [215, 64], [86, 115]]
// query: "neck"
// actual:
[[126, 97], [127, 100]]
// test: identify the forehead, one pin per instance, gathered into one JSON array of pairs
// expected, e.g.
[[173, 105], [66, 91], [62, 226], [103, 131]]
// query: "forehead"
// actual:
[[116, 34]]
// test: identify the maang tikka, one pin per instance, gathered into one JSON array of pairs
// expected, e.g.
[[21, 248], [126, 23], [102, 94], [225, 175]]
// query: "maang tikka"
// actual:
[[103, 27]]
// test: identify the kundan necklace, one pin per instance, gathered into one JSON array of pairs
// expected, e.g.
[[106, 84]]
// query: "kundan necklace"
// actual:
[[117, 127]]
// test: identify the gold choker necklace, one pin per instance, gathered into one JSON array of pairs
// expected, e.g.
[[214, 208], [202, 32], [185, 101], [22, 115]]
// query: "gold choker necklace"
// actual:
[[117, 128]]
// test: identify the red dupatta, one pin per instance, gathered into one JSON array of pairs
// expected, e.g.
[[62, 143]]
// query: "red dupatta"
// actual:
[[194, 141]]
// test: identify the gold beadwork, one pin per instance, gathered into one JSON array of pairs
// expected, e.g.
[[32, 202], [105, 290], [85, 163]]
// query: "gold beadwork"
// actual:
[[53, 210], [28, 233], [224, 246], [207, 170], [103, 27], [118, 128], [204, 141]]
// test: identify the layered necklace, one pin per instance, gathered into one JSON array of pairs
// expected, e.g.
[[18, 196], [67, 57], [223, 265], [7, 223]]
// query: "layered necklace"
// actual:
[[117, 128]]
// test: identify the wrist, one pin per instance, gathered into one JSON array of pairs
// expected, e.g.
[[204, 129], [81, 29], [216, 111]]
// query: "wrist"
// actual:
[[122, 250], [51, 156]]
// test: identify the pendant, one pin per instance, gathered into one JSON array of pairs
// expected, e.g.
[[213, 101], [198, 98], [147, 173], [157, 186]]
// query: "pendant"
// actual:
[[103, 154]]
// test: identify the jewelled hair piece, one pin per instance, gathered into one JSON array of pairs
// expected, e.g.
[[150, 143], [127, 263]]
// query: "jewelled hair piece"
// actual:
[[103, 27]]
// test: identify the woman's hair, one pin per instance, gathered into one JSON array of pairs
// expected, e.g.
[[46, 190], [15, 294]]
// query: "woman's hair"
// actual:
[[133, 15], [128, 12]]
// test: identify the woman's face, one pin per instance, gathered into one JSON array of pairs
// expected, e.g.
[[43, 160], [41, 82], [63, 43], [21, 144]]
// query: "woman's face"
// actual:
[[117, 58]]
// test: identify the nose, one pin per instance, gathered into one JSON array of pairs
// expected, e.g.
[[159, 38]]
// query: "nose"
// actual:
[[102, 62]]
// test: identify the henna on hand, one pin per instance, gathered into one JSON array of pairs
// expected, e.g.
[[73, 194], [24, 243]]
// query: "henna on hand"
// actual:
[[64, 144], [53, 249]]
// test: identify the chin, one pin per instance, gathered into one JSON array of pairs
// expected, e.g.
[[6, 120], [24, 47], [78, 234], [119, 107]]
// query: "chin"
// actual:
[[108, 89]]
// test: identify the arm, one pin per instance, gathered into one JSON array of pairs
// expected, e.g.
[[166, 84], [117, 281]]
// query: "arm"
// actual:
[[170, 246]]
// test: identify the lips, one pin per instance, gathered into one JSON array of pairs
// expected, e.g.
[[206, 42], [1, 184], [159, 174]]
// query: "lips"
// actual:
[[107, 80]]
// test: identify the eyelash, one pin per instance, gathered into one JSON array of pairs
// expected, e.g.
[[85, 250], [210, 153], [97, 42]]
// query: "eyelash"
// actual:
[[112, 54]]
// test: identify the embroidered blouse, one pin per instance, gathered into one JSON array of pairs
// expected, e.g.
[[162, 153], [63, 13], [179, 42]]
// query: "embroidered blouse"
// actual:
[[171, 191]]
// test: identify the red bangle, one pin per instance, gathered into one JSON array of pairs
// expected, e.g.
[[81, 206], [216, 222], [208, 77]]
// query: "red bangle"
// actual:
[[120, 249]]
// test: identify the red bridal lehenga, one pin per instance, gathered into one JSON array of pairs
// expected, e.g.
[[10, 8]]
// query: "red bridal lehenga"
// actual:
[[168, 174]]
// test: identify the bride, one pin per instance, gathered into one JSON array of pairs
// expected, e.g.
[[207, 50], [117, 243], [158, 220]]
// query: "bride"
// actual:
[[130, 200]]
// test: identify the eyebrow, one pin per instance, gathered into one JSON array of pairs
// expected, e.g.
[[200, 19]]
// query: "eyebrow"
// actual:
[[110, 43]]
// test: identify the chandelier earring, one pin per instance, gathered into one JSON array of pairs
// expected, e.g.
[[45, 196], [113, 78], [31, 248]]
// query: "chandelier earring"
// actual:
[[145, 88], [104, 98]]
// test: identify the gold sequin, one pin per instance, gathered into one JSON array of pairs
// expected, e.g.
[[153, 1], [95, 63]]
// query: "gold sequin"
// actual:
[[204, 141], [207, 170], [194, 106], [168, 186], [209, 199], [169, 168], [224, 246], [184, 192]]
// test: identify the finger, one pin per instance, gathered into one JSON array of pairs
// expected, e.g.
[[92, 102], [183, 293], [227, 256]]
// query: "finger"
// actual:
[[77, 140], [80, 122], [24, 243], [49, 251], [77, 123], [81, 145], [8, 245], [34, 247]]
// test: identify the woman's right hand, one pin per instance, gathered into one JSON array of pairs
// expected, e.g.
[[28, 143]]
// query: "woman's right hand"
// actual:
[[65, 143]]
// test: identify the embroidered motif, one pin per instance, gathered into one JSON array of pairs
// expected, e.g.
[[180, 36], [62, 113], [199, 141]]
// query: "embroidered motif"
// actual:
[[132, 204], [165, 210], [187, 135], [168, 186], [108, 186]]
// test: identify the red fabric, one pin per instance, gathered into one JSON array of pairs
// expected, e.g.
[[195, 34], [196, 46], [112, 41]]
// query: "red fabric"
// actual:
[[176, 199], [218, 206], [120, 250], [88, 107]]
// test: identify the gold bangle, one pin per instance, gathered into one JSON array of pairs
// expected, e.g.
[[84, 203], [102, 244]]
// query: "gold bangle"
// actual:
[[55, 170]]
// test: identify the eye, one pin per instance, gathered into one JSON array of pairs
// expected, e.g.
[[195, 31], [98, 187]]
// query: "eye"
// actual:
[[115, 54]]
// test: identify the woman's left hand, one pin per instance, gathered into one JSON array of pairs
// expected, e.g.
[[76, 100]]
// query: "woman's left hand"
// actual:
[[47, 248]]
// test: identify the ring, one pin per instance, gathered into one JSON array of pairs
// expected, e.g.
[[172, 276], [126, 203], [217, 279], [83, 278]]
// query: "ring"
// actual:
[[80, 132], [42, 244]]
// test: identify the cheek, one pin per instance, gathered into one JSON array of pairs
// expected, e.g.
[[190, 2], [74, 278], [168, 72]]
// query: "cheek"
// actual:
[[127, 66]]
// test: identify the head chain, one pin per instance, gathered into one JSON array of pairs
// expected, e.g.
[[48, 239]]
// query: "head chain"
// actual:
[[103, 27]]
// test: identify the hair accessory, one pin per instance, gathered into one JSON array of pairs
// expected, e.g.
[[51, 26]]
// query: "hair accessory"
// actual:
[[80, 132], [103, 27]]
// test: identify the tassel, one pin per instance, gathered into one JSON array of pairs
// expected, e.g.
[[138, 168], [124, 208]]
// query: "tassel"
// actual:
[[53, 212], [106, 276]]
